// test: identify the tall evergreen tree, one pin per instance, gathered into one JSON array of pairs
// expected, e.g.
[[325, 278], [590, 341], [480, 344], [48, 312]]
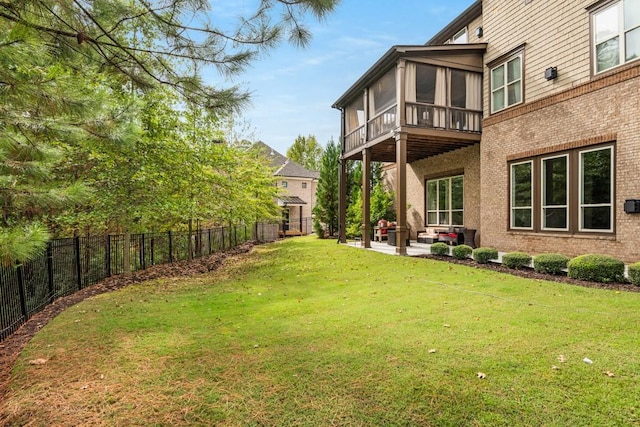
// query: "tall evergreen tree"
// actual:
[[326, 209], [180, 38], [41, 105]]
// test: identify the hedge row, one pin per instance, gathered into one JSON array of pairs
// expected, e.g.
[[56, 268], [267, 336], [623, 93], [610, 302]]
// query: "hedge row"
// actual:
[[592, 267]]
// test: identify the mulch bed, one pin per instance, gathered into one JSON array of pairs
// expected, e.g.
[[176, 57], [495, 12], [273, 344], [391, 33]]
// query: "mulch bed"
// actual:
[[11, 347], [529, 273]]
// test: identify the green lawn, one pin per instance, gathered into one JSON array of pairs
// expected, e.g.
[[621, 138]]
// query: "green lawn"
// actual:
[[310, 333]]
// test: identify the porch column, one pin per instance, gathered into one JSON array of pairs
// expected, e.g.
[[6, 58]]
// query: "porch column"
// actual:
[[400, 92], [342, 185], [342, 201], [401, 192], [366, 197]]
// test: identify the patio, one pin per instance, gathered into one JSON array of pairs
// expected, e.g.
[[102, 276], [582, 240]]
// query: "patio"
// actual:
[[413, 249]]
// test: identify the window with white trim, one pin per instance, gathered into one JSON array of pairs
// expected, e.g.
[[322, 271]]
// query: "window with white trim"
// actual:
[[616, 34], [569, 192], [460, 37], [445, 201], [596, 189], [522, 195], [506, 84], [555, 193]]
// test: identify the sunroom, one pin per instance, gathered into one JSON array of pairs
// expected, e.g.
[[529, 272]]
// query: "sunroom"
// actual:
[[415, 102]]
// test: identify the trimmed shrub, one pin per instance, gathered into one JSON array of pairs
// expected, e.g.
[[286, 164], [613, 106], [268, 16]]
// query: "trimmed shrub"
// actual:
[[596, 268], [439, 248], [516, 260], [461, 251], [484, 255], [550, 263], [634, 273]]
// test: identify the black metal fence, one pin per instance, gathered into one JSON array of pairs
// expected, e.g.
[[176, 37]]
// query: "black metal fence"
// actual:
[[69, 265]]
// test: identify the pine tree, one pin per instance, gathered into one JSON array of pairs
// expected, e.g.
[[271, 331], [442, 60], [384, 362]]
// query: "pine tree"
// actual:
[[326, 209], [39, 108]]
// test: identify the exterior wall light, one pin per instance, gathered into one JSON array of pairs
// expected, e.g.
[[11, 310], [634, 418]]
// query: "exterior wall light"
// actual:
[[632, 206], [551, 73], [479, 32]]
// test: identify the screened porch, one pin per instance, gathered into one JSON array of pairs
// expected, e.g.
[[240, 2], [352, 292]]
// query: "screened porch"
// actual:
[[432, 93]]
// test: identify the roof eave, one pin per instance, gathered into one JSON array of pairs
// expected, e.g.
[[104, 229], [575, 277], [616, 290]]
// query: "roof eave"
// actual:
[[468, 15]]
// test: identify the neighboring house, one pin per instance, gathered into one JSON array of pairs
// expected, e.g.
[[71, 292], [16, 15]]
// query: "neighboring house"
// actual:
[[520, 120], [297, 192]]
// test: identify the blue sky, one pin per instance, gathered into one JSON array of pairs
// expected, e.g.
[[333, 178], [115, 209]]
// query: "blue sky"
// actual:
[[293, 89]]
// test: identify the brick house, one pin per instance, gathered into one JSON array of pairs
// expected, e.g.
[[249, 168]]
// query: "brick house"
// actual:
[[519, 120], [297, 192]]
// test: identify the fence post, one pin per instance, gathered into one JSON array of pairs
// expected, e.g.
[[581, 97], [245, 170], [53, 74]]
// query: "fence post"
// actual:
[[209, 241], [50, 269], [245, 233], [76, 244], [223, 237], [126, 252], [153, 256], [235, 235], [142, 254], [23, 298], [170, 248], [107, 256]]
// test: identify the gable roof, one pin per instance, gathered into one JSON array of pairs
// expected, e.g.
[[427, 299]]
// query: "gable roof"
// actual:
[[296, 170], [276, 159]]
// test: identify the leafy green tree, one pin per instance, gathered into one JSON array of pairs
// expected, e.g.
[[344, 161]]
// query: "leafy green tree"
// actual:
[[381, 201], [326, 209], [382, 204], [82, 103], [306, 151], [354, 216]]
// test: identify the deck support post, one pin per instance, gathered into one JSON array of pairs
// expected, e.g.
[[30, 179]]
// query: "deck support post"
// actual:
[[366, 197], [401, 193]]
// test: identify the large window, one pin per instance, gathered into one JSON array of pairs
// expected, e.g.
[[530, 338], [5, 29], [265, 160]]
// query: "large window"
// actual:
[[445, 201], [549, 194], [522, 195], [506, 84], [555, 191], [616, 34], [596, 189]]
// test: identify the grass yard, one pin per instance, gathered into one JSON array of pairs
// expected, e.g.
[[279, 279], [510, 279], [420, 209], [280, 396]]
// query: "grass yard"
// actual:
[[310, 333]]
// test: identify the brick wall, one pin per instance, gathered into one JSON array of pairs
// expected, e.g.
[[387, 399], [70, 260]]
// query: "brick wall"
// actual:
[[465, 160], [581, 118]]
